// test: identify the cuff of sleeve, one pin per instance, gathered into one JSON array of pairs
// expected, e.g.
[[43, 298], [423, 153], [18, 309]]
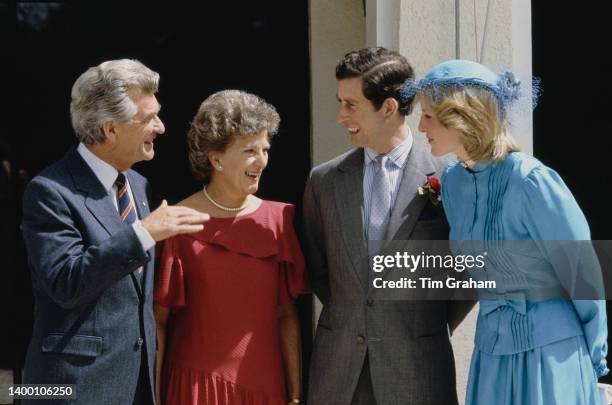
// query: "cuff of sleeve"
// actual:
[[601, 369], [145, 238]]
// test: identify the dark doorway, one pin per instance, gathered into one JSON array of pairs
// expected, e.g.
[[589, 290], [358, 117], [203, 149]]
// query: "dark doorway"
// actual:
[[571, 122], [198, 48]]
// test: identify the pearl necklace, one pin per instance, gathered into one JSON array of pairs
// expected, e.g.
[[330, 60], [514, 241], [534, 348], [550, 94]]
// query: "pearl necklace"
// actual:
[[221, 207]]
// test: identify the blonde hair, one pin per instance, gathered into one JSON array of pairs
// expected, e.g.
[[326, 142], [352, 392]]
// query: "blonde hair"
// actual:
[[475, 113]]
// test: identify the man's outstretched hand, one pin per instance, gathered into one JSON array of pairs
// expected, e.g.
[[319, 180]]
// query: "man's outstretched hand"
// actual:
[[169, 220]]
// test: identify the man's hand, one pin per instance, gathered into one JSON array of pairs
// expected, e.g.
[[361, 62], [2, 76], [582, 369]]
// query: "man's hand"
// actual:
[[167, 221]]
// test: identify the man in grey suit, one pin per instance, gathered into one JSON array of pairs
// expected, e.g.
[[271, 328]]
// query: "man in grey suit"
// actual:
[[90, 239], [369, 348]]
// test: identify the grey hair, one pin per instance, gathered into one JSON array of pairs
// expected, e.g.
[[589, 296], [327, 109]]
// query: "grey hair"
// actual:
[[221, 118], [101, 94]]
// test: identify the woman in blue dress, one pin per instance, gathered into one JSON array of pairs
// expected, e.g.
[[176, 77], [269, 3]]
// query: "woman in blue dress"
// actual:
[[528, 350]]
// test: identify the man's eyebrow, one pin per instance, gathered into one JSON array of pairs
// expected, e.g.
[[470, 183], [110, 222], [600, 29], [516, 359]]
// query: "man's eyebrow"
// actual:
[[348, 100], [153, 113]]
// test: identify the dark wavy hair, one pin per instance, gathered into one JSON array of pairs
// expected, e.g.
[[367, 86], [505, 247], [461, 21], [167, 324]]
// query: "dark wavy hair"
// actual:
[[383, 73]]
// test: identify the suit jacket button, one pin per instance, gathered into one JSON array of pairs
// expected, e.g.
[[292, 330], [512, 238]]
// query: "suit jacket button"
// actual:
[[139, 342], [360, 339], [370, 302]]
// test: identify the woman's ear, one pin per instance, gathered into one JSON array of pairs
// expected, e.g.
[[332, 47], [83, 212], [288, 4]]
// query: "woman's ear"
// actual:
[[215, 161]]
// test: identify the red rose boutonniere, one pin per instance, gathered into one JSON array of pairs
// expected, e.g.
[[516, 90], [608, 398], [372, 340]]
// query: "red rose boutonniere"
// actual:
[[431, 189]]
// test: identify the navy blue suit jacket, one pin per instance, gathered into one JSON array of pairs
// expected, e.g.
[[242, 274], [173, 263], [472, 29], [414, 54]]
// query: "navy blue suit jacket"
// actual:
[[92, 315]]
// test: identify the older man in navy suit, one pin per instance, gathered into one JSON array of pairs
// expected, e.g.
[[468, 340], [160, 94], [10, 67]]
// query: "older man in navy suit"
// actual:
[[90, 239]]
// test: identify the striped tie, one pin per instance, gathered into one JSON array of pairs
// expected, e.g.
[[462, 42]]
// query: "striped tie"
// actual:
[[124, 203], [125, 206]]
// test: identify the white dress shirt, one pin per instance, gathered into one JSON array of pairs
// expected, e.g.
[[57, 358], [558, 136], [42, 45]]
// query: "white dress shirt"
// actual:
[[397, 159]]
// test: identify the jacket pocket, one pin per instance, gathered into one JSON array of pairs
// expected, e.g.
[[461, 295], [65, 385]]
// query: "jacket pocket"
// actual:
[[80, 345]]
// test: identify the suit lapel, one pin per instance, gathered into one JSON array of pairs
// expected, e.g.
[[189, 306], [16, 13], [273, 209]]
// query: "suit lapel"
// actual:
[[140, 195], [97, 199], [407, 208], [140, 202], [349, 200]]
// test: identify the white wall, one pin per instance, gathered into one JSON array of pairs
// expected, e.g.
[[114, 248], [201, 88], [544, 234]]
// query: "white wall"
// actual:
[[496, 33], [336, 27]]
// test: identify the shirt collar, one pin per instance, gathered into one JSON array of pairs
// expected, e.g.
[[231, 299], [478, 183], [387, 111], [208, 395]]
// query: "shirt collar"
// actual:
[[478, 167], [106, 173], [398, 155]]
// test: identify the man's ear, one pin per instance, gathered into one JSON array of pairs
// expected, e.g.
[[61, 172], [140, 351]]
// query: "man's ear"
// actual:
[[110, 131], [389, 107]]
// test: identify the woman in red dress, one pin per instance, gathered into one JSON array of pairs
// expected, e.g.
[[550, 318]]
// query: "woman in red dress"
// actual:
[[227, 328]]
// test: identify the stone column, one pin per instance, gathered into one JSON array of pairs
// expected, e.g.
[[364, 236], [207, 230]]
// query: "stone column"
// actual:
[[336, 27]]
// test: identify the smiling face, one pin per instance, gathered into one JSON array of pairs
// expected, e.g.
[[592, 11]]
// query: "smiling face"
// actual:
[[132, 142], [443, 140], [238, 169], [358, 115]]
